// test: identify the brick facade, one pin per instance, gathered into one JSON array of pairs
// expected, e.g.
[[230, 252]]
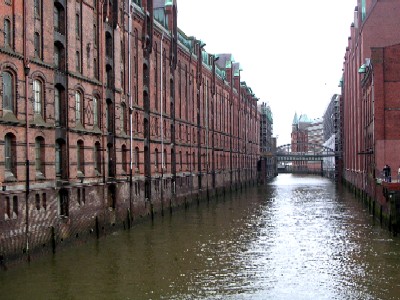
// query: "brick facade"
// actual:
[[111, 113], [369, 109]]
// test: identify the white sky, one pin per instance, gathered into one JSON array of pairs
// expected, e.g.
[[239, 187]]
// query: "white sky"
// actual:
[[291, 51]]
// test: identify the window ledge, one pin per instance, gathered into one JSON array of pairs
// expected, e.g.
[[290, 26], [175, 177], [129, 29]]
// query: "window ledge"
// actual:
[[40, 176], [9, 177], [38, 121], [8, 116]]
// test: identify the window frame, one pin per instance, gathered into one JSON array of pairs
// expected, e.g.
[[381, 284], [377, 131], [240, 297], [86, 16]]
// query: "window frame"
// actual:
[[8, 92], [39, 156], [7, 33], [9, 156], [38, 102], [78, 107]]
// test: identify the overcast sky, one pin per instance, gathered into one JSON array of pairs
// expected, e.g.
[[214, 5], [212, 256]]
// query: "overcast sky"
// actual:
[[291, 51]]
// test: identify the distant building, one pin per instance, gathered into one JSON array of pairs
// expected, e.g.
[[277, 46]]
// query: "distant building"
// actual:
[[331, 135], [267, 143], [305, 134]]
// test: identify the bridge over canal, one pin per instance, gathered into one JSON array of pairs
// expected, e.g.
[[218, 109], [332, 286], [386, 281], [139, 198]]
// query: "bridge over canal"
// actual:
[[304, 158]]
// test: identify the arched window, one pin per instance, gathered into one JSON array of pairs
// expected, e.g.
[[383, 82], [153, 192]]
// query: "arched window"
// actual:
[[8, 91], [78, 108], [59, 18], [59, 56], [78, 26], [7, 33], [38, 97], [109, 77], [39, 157], [10, 156]]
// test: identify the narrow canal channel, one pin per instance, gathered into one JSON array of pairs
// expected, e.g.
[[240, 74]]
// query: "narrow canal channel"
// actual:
[[297, 238]]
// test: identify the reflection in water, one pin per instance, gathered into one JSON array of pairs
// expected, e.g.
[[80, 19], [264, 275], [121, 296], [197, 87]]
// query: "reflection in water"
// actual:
[[298, 238]]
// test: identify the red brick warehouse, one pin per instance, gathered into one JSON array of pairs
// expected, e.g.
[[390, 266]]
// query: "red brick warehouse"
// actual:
[[109, 113], [369, 101]]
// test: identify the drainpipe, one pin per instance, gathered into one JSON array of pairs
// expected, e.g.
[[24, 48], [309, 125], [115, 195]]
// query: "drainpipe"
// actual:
[[26, 71], [206, 115], [161, 119], [101, 69], [130, 111]]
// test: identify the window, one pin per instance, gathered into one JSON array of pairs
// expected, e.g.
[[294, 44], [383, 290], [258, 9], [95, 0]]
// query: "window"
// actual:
[[59, 56], [95, 112], [37, 201], [108, 45], [61, 164], [56, 18], [15, 207], [44, 201], [165, 160], [37, 44], [109, 116], [78, 61], [156, 159], [38, 97], [95, 68], [57, 106], [78, 108], [39, 156], [78, 26], [7, 33], [124, 124], [37, 8], [9, 156], [7, 213], [80, 158], [95, 35], [137, 158], [63, 203], [59, 21], [8, 91], [97, 158], [124, 153], [109, 78]]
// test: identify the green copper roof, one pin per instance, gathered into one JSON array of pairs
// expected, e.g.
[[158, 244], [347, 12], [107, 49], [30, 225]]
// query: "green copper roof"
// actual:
[[295, 119]]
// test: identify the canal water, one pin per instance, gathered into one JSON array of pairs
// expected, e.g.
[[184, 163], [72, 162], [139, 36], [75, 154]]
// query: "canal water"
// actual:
[[297, 238]]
